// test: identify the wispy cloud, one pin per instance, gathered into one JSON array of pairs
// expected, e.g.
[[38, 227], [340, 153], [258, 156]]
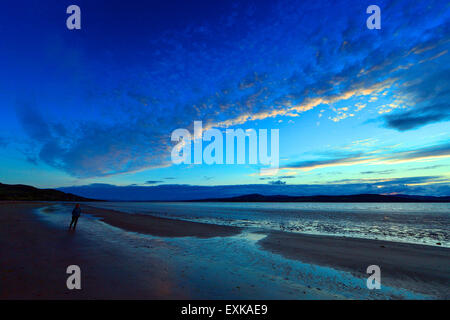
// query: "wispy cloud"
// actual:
[[378, 172], [315, 164], [153, 181], [277, 182], [376, 157]]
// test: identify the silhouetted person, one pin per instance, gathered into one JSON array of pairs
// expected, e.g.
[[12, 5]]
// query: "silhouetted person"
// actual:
[[75, 215]]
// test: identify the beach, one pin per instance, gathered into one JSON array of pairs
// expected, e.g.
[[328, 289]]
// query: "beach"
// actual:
[[141, 256], [416, 267]]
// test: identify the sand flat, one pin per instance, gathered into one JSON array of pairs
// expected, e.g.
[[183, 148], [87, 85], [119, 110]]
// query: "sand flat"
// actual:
[[421, 268], [161, 227]]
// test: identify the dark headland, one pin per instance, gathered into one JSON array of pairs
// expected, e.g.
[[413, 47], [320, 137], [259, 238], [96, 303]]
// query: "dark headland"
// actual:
[[20, 192]]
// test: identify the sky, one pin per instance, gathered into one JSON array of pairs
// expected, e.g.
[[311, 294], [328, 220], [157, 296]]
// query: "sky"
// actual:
[[358, 110]]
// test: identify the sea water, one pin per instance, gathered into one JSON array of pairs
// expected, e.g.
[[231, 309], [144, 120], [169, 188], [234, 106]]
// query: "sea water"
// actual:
[[423, 223]]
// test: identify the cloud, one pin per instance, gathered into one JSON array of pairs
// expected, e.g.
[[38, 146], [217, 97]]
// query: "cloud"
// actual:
[[88, 149], [382, 182], [436, 151], [375, 157], [378, 172], [153, 182], [428, 167], [277, 182], [315, 164], [210, 72], [33, 123], [428, 99], [418, 117]]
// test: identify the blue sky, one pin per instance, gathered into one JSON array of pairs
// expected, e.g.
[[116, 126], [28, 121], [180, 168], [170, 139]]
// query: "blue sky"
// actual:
[[357, 110]]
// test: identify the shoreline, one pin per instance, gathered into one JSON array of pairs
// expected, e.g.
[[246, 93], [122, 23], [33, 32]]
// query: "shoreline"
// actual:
[[37, 253]]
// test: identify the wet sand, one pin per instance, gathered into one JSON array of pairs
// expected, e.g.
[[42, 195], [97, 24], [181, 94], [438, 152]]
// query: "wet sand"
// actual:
[[421, 268], [35, 254], [34, 258]]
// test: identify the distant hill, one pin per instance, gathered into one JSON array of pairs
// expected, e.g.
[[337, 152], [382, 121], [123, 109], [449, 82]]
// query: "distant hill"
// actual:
[[19, 192], [27, 193], [349, 198]]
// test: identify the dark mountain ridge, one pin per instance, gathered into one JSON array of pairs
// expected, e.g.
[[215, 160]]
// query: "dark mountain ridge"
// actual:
[[20, 192], [346, 198]]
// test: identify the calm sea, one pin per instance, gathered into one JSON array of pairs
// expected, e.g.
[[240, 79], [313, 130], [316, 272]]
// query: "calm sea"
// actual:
[[426, 223]]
